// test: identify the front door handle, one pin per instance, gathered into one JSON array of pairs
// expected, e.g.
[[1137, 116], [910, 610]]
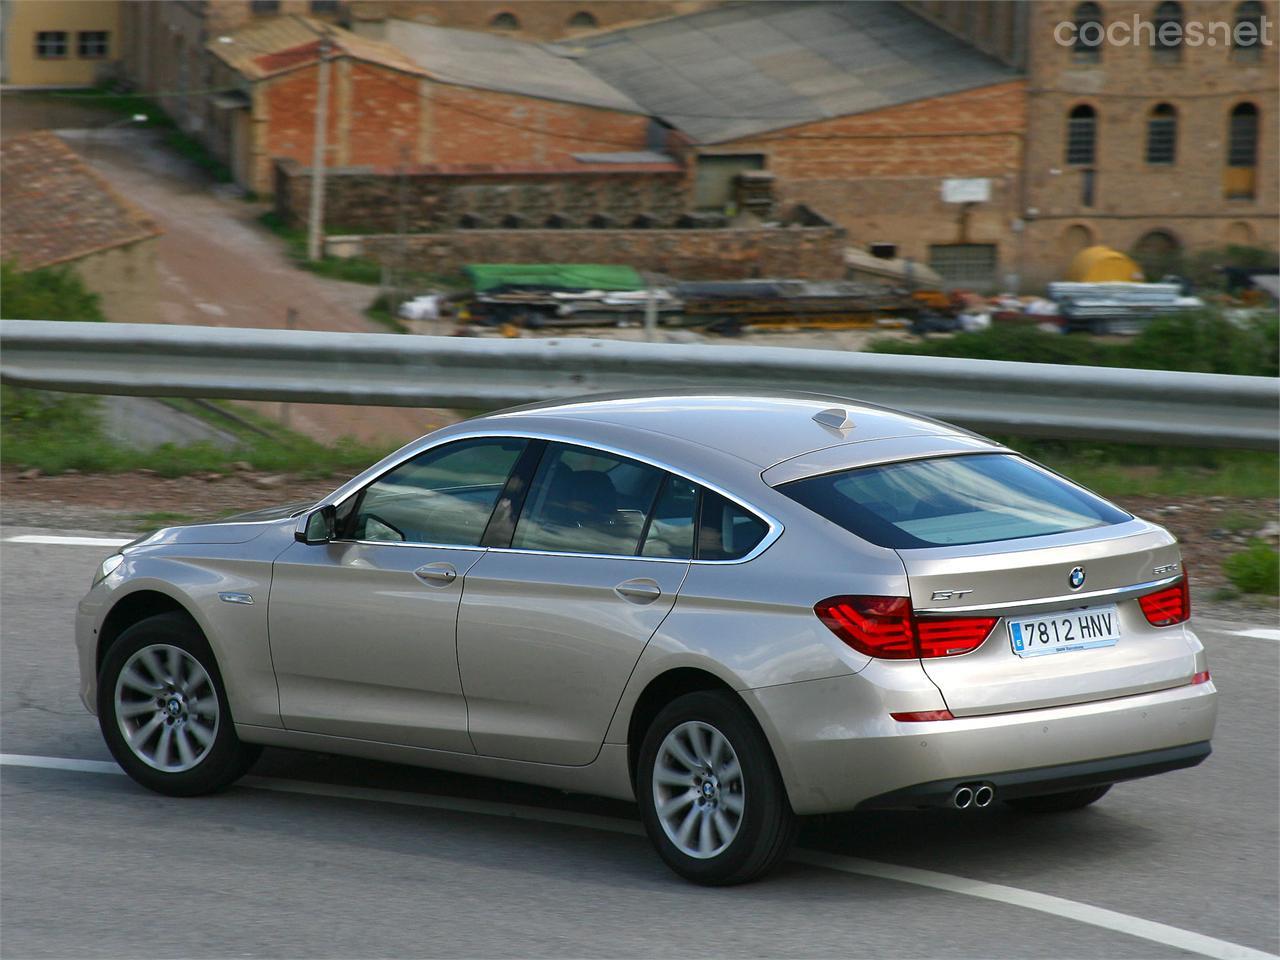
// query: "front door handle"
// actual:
[[640, 590], [437, 574]]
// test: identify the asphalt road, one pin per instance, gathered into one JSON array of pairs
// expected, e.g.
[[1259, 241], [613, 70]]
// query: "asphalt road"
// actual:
[[324, 857]]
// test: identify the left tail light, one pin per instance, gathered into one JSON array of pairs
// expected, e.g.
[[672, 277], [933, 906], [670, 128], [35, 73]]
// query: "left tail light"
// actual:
[[888, 629], [1166, 607]]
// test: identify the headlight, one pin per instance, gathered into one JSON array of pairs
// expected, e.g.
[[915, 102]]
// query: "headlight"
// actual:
[[108, 567]]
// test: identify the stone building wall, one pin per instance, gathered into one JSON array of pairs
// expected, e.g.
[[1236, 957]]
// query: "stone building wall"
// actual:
[[432, 200], [815, 253]]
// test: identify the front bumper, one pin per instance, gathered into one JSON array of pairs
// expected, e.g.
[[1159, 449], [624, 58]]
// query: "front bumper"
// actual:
[[838, 749]]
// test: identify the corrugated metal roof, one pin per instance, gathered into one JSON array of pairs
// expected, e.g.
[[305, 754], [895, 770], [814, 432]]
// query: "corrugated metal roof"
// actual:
[[747, 68], [474, 59]]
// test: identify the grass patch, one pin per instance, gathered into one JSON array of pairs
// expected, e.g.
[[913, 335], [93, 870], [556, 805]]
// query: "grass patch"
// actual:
[[57, 432], [1204, 341], [1255, 569], [351, 269], [1129, 470], [380, 312]]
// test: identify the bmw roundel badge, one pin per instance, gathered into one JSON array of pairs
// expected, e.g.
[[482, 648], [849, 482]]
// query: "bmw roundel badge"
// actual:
[[1076, 578]]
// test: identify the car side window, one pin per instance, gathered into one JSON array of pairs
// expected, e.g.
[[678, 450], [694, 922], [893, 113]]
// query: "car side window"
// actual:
[[444, 495], [671, 524], [586, 501], [725, 530]]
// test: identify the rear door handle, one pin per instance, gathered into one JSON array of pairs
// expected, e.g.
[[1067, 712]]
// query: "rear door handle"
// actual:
[[436, 574], [640, 590]]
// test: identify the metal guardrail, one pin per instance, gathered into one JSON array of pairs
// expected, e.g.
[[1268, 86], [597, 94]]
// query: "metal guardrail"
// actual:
[[1048, 400]]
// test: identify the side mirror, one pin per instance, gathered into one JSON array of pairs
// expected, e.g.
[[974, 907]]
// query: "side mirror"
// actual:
[[319, 526]]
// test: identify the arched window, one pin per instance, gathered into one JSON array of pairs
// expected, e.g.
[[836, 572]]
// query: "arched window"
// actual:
[[505, 21], [1162, 134], [1242, 151], [1082, 135], [1168, 24], [1159, 253], [1246, 38], [583, 20], [1087, 47]]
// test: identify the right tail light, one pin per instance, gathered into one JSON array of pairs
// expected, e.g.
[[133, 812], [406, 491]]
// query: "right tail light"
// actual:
[[1166, 607]]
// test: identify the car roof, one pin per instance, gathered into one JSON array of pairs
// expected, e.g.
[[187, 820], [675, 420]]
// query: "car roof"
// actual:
[[761, 427]]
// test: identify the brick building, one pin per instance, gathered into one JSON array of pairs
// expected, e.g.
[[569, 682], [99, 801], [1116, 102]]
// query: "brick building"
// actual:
[[58, 43], [459, 101], [1155, 148], [540, 20], [862, 111]]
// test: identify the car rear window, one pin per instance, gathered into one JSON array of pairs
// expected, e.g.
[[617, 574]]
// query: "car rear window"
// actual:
[[952, 501]]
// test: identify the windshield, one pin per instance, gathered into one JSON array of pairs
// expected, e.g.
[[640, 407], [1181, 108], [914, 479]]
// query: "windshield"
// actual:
[[952, 501]]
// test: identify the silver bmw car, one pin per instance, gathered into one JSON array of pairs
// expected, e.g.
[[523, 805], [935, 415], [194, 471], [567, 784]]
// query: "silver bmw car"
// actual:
[[733, 609]]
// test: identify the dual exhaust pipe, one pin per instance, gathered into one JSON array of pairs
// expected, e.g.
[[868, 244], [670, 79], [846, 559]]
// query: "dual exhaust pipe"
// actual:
[[975, 796]]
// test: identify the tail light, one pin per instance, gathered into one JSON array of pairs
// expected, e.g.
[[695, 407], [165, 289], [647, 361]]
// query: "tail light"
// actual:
[[1199, 678], [888, 629], [1168, 606]]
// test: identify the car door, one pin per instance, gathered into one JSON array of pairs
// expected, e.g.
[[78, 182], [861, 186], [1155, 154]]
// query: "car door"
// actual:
[[363, 628], [550, 629]]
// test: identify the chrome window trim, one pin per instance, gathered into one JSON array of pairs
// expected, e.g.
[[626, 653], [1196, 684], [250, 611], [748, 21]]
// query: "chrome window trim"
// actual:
[[1049, 603], [354, 486]]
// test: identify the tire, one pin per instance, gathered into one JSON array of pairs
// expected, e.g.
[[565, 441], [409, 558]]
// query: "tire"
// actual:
[[138, 689], [1060, 802], [748, 818]]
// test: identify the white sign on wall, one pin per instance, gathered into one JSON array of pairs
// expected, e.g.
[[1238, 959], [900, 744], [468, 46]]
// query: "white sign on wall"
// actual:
[[974, 190]]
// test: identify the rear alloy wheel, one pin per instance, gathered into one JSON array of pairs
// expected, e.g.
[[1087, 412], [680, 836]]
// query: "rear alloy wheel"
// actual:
[[710, 794], [1060, 802], [163, 712]]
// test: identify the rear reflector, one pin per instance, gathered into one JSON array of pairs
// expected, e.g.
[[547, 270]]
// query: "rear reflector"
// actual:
[[887, 628], [1201, 677], [1166, 607], [922, 716]]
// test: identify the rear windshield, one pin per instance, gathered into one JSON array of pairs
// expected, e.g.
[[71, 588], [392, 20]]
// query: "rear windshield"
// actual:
[[951, 501]]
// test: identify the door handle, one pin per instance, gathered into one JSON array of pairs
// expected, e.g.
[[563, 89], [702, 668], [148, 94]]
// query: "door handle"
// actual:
[[436, 574], [638, 591]]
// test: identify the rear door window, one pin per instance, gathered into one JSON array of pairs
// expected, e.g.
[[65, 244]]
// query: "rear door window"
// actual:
[[587, 501], [952, 501]]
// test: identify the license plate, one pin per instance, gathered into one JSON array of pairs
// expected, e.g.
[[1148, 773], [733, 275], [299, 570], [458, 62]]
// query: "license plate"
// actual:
[[1065, 631]]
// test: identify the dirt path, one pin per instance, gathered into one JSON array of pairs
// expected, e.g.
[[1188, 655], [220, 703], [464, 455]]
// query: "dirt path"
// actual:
[[218, 267]]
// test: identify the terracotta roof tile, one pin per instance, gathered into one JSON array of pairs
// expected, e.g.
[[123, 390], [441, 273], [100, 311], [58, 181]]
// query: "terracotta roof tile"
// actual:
[[56, 208]]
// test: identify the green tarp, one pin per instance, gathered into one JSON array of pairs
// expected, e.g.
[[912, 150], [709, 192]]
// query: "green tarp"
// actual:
[[487, 277]]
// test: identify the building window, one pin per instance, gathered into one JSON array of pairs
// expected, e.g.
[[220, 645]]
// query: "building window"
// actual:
[[1247, 37], [1242, 152], [324, 6], [1082, 135], [1162, 134], [1168, 24], [51, 44], [583, 20], [1087, 47], [264, 6], [970, 265], [505, 21], [92, 44], [1159, 253]]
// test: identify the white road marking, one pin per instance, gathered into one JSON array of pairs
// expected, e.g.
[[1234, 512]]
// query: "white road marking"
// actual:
[[1258, 633], [69, 541], [1010, 896]]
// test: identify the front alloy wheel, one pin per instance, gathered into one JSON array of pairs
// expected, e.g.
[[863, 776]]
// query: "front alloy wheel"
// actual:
[[163, 711]]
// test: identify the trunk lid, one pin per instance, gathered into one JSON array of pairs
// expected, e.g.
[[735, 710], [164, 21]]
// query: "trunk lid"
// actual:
[[1012, 580]]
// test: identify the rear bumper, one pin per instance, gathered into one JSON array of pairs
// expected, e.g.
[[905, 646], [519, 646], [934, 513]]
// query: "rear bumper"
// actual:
[[838, 749], [1013, 784]]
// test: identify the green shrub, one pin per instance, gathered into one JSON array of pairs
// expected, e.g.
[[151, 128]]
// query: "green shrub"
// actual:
[[1202, 340], [55, 293], [1255, 570]]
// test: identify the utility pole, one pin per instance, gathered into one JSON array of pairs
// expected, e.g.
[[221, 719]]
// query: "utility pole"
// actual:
[[315, 219]]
